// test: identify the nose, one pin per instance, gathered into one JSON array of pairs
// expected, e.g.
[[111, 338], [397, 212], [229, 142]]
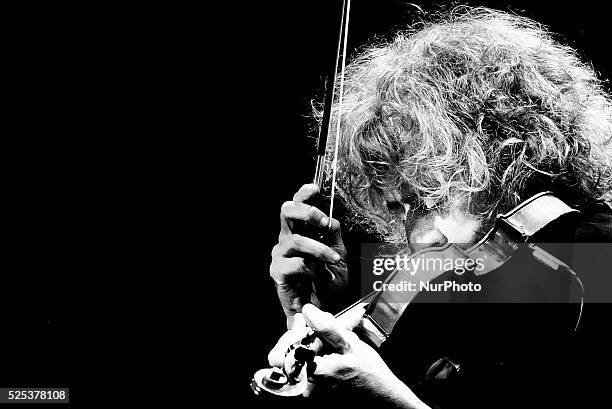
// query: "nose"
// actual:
[[423, 233]]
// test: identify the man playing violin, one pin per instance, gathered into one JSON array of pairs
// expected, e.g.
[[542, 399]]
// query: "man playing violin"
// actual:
[[442, 129]]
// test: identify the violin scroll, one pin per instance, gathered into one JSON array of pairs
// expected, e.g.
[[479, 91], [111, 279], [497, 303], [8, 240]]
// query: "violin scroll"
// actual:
[[292, 379]]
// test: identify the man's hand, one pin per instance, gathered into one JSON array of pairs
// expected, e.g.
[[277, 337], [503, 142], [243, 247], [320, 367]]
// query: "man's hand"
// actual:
[[347, 364], [304, 269]]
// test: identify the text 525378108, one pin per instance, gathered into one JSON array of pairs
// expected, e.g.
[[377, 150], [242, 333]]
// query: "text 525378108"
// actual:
[[39, 395]]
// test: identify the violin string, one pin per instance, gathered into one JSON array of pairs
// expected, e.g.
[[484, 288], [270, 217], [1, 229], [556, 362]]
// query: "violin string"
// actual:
[[340, 96], [581, 298]]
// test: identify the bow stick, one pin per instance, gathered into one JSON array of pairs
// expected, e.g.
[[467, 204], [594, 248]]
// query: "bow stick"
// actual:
[[330, 90]]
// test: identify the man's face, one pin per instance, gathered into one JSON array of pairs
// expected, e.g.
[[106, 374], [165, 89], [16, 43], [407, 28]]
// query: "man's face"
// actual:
[[428, 226]]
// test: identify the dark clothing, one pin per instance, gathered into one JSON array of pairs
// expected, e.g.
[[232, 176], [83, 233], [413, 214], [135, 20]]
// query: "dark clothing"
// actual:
[[521, 352]]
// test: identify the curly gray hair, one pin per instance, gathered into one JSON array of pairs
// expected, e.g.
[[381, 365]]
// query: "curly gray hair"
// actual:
[[479, 107]]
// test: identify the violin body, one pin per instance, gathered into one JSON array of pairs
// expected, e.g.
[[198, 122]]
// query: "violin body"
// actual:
[[385, 308]]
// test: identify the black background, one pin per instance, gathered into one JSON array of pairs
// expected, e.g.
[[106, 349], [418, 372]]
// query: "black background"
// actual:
[[148, 154]]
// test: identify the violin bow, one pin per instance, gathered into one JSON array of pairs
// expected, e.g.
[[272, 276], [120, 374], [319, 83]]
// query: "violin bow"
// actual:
[[330, 90]]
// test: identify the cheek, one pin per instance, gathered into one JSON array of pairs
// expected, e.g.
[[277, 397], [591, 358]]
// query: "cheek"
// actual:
[[423, 233], [457, 230], [425, 236]]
